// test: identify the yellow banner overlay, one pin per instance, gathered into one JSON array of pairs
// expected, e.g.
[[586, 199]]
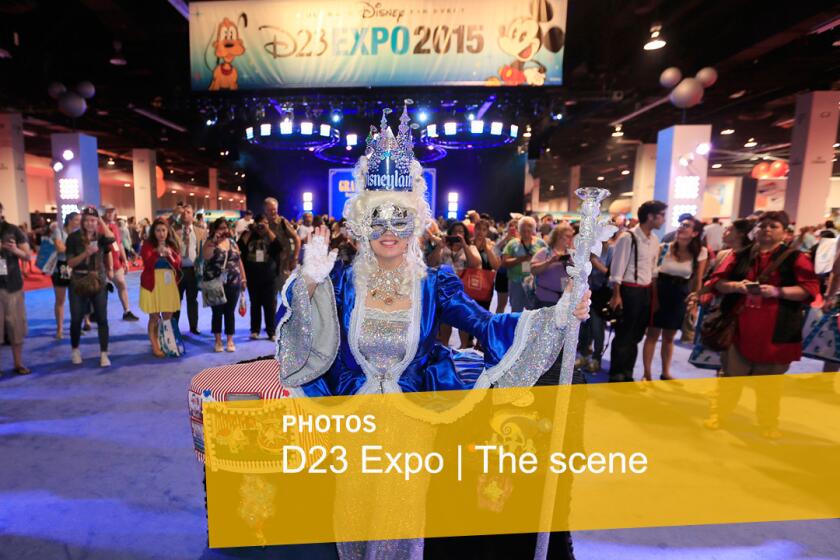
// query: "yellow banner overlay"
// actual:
[[496, 461]]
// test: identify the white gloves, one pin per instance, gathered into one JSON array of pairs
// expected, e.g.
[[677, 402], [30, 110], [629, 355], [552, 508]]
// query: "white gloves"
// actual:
[[317, 260]]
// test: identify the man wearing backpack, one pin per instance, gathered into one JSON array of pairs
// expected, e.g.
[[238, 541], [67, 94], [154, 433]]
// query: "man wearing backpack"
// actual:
[[631, 275]]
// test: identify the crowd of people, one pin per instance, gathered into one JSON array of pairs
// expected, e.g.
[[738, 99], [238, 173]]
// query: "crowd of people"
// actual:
[[758, 272]]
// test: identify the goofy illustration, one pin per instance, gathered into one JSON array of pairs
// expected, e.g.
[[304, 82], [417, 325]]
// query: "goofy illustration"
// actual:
[[228, 46], [522, 39]]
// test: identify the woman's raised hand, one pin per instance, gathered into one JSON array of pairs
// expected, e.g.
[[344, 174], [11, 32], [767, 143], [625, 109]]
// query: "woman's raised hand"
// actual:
[[318, 260]]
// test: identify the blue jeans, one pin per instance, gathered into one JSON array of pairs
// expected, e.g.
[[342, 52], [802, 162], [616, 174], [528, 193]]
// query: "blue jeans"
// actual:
[[518, 297]]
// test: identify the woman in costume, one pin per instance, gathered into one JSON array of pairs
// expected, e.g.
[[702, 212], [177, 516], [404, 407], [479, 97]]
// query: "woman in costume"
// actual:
[[375, 321]]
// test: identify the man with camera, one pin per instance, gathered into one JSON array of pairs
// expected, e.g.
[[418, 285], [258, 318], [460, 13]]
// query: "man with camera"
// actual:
[[288, 238], [260, 249], [190, 238], [631, 274], [13, 247]]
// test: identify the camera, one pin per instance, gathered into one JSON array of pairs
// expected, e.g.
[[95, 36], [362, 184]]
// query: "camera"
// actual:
[[451, 239]]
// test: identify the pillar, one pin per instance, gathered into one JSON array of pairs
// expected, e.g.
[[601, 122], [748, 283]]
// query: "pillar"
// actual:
[[644, 173], [144, 162], [574, 184], [12, 169], [811, 154], [746, 197], [76, 166], [681, 171], [213, 183]]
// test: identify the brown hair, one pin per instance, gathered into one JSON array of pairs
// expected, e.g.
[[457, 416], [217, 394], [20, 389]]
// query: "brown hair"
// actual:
[[170, 238]]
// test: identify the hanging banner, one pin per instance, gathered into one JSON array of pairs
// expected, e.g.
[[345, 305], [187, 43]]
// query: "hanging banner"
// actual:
[[342, 186], [269, 44]]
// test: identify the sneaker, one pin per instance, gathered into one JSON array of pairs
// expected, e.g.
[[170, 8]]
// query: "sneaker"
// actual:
[[196, 332], [103, 360], [255, 336], [218, 347], [129, 316], [76, 356], [272, 337], [580, 362], [231, 347], [593, 365]]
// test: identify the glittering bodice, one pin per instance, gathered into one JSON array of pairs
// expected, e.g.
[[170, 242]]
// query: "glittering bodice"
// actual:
[[383, 337]]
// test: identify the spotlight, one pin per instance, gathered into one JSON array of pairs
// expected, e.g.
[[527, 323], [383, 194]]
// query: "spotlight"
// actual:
[[349, 148], [727, 131], [431, 147], [325, 129], [617, 133], [557, 117], [422, 116], [496, 128], [286, 126], [703, 148], [127, 185], [249, 133], [599, 178], [450, 128], [352, 140], [238, 188], [625, 172], [716, 166], [67, 155], [111, 162], [656, 41], [209, 122], [431, 131], [470, 117], [265, 129], [335, 117], [514, 131], [527, 131], [751, 143], [57, 166], [477, 127], [306, 128]]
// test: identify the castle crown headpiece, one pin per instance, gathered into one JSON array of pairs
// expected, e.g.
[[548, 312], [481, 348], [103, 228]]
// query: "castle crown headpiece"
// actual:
[[389, 157]]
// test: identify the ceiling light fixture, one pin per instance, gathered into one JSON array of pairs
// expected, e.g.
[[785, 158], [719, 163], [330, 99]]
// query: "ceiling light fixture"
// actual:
[[617, 133], [727, 131], [737, 94], [111, 162], [717, 165], [625, 172], [599, 178], [656, 41], [751, 143]]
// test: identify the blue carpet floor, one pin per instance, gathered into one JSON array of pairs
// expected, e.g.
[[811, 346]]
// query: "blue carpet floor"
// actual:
[[98, 463]]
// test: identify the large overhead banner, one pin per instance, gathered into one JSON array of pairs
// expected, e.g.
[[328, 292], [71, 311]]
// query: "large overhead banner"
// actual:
[[263, 44]]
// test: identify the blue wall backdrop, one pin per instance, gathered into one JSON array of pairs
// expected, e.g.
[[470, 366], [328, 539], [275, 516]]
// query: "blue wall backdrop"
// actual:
[[488, 180]]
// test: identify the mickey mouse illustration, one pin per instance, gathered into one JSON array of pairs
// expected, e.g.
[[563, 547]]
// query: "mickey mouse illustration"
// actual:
[[522, 39], [228, 46]]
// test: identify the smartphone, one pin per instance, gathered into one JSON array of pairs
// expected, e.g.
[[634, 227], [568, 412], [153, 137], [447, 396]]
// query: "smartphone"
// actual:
[[753, 288], [453, 239]]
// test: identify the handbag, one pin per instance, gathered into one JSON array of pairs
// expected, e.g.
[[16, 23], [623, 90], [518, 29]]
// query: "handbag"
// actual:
[[213, 291], [702, 356], [478, 283], [169, 337], [88, 284], [47, 257], [821, 335]]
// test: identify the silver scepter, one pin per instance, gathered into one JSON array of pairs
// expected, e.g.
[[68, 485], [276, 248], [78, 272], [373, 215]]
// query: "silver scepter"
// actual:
[[594, 230]]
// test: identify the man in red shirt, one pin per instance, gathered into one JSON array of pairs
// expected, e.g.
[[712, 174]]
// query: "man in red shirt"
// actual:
[[770, 311], [120, 262]]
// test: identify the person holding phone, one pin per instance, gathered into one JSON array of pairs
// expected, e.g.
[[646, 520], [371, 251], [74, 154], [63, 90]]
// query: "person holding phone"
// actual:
[[221, 258], [771, 297], [459, 253], [549, 266], [89, 254], [260, 249]]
